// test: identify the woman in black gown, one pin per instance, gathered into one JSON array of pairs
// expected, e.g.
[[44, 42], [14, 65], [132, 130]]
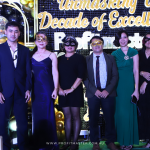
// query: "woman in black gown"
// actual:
[[144, 101], [44, 91], [71, 68]]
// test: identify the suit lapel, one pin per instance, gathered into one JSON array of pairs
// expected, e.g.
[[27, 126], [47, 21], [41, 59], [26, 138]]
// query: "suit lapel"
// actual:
[[8, 54], [19, 55], [91, 66], [107, 65]]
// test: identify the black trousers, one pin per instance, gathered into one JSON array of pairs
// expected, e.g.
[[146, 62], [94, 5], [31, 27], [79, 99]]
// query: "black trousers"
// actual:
[[108, 107], [16, 103]]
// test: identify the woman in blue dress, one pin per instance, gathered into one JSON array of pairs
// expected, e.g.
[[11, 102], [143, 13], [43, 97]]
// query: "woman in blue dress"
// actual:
[[44, 91]]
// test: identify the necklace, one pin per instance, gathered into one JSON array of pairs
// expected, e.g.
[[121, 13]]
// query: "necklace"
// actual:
[[40, 53], [126, 57]]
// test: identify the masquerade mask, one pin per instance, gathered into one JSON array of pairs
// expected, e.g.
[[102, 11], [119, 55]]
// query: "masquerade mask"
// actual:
[[145, 40], [41, 38], [96, 42], [70, 41]]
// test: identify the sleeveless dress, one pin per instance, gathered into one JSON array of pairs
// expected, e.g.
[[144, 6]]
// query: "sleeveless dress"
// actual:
[[126, 112], [44, 126]]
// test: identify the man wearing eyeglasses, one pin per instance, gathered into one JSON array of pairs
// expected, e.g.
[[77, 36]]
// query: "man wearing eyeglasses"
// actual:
[[101, 81], [15, 86]]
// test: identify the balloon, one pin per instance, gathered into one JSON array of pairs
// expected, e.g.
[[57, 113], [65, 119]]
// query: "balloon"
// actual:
[[32, 12], [26, 8], [60, 125], [55, 109], [23, 44], [31, 21], [59, 116], [12, 124], [22, 22], [24, 2], [31, 32], [2, 41], [8, 10], [13, 18], [31, 4], [56, 101], [61, 135], [1, 10], [29, 102]]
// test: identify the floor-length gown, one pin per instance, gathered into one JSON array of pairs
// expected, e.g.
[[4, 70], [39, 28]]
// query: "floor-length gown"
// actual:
[[44, 126], [144, 100], [125, 111]]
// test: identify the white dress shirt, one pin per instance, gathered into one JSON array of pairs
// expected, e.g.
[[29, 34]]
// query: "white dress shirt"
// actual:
[[102, 69], [14, 55]]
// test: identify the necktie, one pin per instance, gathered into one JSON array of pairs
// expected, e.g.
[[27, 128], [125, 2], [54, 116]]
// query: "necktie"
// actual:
[[97, 73]]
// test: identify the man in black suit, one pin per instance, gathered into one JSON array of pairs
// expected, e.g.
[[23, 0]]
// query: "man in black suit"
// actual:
[[15, 85], [101, 81]]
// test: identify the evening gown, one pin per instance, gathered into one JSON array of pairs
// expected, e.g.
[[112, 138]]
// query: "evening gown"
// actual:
[[126, 112], [44, 126], [144, 100]]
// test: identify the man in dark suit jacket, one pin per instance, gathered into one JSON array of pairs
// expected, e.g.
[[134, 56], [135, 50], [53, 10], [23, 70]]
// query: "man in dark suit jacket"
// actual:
[[15, 85], [101, 81]]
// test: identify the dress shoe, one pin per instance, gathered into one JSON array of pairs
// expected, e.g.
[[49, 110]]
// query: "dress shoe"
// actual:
[[112, 146], [64, 147], [74, 147], [96, 147], [147, 145]]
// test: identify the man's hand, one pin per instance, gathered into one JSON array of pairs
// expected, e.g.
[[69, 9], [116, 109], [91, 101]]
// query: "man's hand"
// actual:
[[98, 94], [2, 98], [27, 96], [104, 94]]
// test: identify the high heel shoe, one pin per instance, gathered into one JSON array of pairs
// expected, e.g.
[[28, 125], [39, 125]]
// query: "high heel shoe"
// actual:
[[122, 147], [147, 145], [64, 147], [128, 147]]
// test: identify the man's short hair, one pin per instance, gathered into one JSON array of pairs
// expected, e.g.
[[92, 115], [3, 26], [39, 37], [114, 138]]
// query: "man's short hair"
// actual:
[[12, 24], [96, 37]]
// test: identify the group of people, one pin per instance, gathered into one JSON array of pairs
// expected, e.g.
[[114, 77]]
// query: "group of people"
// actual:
[[111, 82]]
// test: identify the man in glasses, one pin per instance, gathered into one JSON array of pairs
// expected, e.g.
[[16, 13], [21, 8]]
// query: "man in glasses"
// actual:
[[15, 86], [101, 81]]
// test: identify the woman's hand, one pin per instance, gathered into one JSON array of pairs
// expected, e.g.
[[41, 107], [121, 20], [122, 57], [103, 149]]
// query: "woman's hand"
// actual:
[[136, 94], [146, 75], [61, 92], [68, 91], [54, 94], [143, 88]]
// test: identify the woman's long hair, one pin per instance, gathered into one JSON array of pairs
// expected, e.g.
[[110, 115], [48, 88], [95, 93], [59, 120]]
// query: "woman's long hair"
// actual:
[[35, 48]]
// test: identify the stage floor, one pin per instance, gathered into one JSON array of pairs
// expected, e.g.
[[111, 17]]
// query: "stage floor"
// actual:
[[88, 146]]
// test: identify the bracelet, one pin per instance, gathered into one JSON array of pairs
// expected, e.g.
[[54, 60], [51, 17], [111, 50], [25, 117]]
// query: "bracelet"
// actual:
[[141, 73], [72, 88]]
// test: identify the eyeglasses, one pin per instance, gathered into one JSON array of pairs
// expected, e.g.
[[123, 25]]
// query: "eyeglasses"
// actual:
[[96, 42], [41, 38]]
